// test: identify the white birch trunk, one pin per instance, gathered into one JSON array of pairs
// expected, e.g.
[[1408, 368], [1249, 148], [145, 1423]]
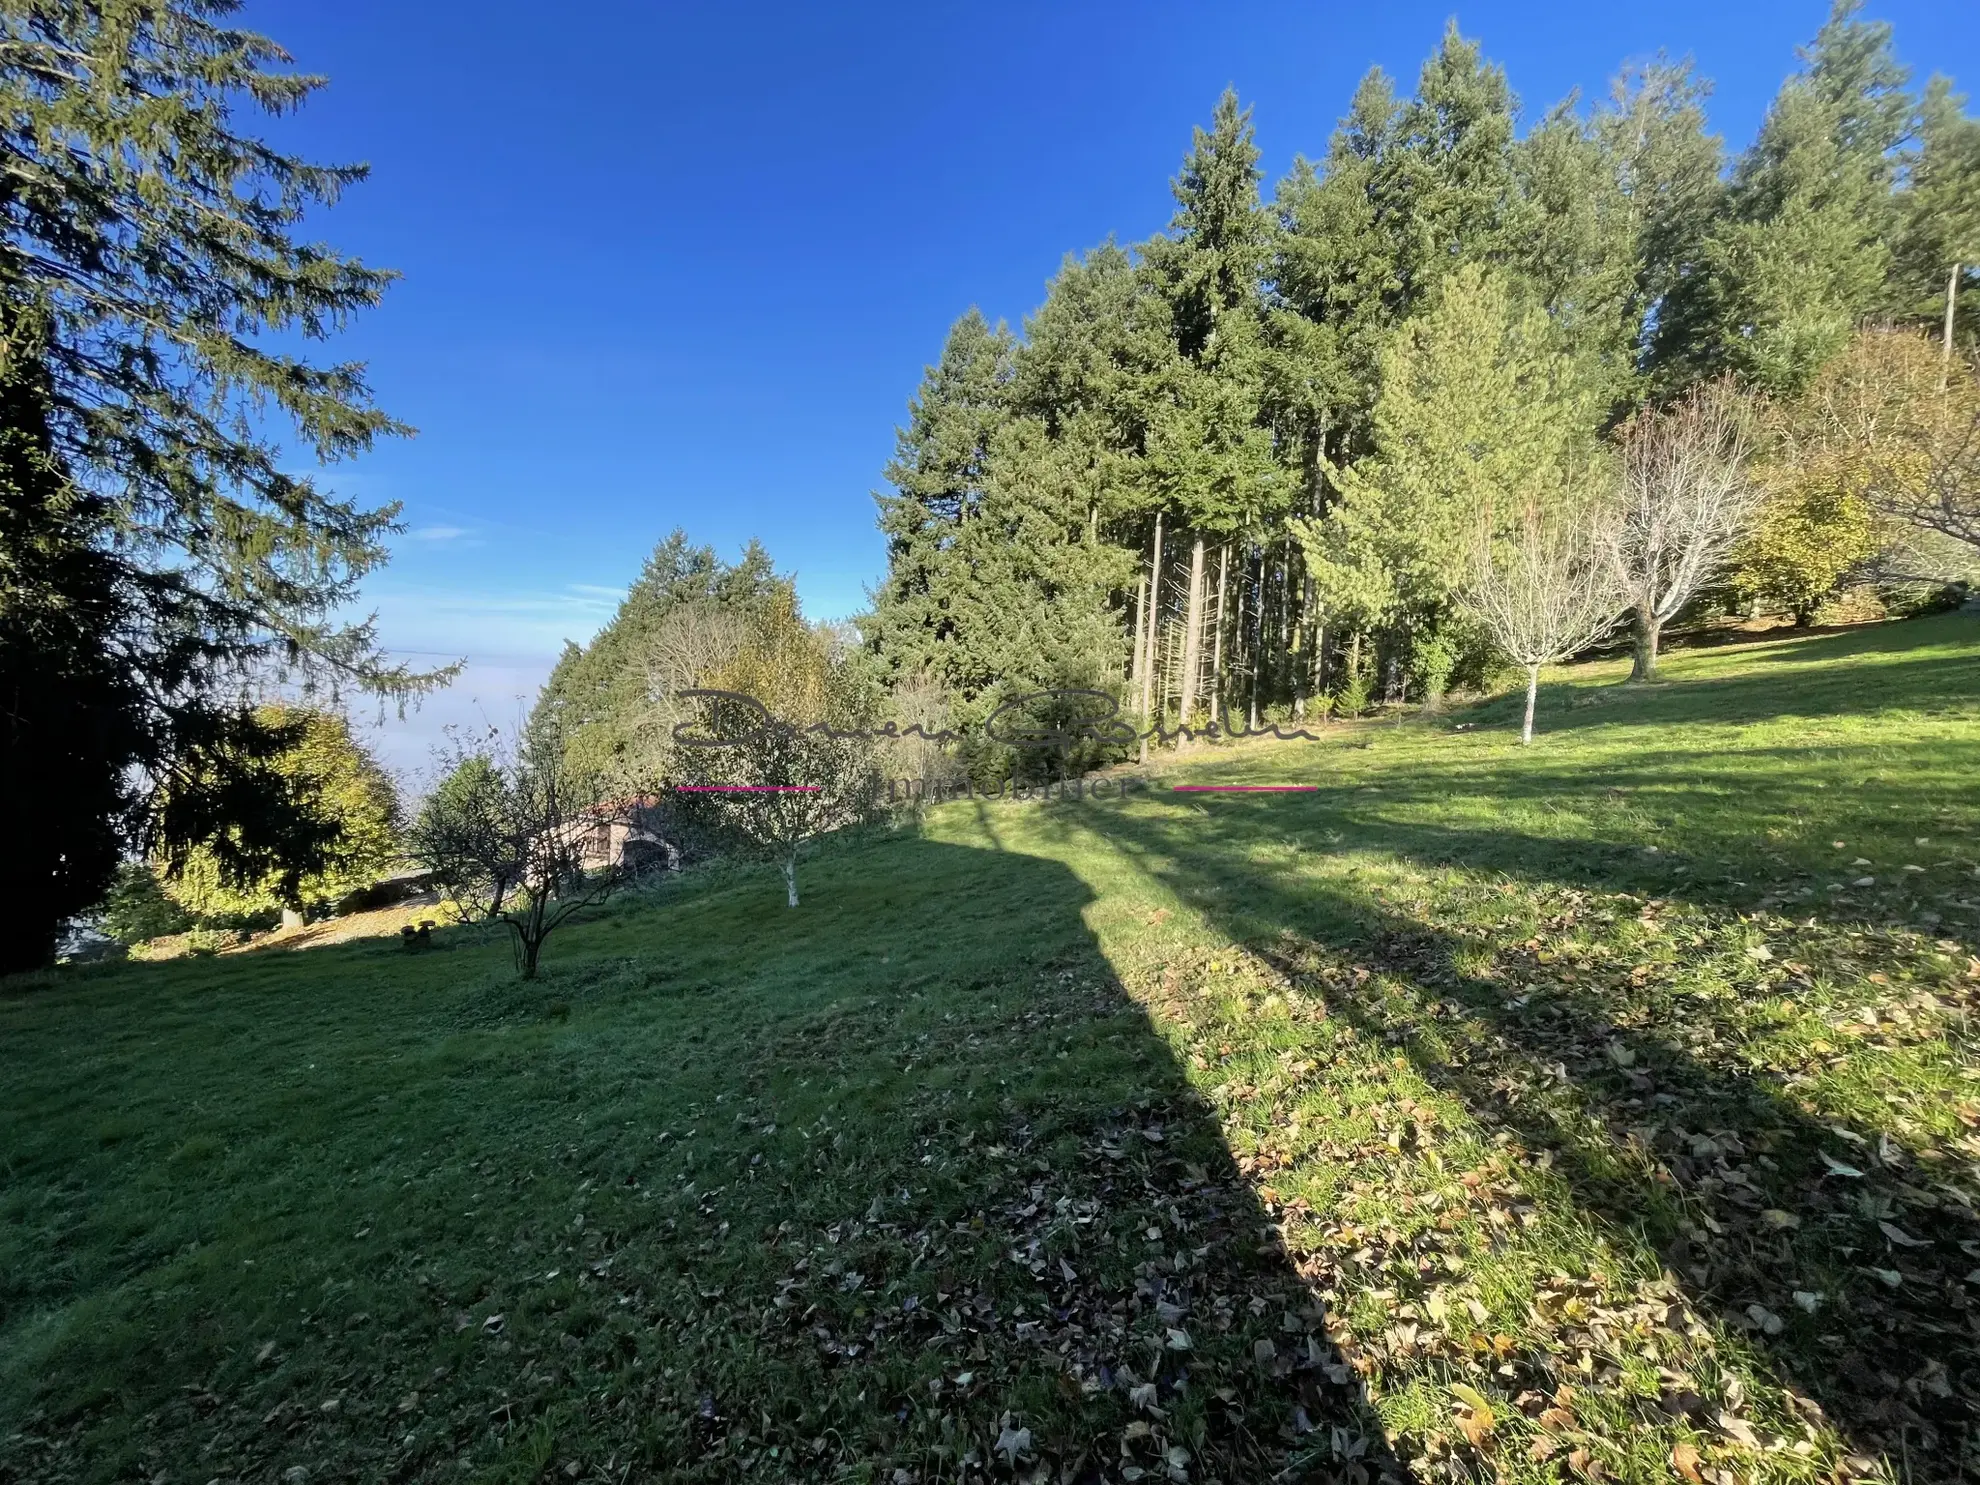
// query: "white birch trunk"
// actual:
[[1217, 651], [1140, 633], [1193, 635], [1532, 693], [1952, 302]]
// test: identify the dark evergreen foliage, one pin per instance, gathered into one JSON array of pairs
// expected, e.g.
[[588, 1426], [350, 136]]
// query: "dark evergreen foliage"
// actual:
[[162, 561]]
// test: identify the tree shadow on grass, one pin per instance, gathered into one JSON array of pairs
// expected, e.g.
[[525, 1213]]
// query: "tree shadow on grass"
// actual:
[[1832, 685], [1727, 822], [1668, 1136], [897, 1186]]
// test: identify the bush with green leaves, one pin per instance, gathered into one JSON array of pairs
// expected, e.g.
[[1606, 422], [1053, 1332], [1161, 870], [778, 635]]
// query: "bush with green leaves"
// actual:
[[331, 776], [137, 908]]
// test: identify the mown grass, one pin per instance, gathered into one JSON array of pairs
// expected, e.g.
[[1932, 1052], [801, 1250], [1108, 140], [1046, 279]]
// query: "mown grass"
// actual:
[[1599, 1110]]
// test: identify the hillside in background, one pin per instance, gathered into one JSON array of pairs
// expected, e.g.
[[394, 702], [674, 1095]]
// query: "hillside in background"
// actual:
[[1605, 1107]]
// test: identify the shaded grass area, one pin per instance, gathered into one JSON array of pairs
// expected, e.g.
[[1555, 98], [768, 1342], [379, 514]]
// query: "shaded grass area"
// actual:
[[1431, 1122], [900, 1181]]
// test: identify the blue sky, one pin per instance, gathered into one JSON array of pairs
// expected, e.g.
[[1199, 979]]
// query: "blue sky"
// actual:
[[683, 266]]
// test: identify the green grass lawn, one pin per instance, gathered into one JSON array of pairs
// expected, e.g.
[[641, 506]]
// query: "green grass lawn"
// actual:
[[1603, 1110]]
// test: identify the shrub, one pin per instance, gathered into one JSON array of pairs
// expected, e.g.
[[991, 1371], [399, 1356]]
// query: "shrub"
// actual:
[[136, 907], [1357, 691]]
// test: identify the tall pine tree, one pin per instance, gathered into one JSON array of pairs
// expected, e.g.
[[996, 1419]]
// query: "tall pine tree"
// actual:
[[938, 473], [148, 250], [1802, 250]]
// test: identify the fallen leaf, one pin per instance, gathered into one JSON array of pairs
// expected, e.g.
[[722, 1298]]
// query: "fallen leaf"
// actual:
[[1738, 1428], [1684, 1459], [1902, 1238], [1013, 1442]]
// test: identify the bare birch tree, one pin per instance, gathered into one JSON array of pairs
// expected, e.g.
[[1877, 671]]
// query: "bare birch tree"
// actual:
[[1686, 497], [1548, 591]]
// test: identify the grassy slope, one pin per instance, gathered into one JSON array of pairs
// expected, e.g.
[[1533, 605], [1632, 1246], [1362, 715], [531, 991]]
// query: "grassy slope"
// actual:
[[1065, 1127]]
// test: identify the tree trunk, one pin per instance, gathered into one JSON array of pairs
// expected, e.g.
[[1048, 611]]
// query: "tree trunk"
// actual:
[[1140, 633], [1532, 694], [292, 919], [1945, 352], [1257, 640], [1193, 635], [1644, 630], [1154, 632], [1284, 683], [529, 935], [1217, 651], [1317, 680], [1303, 653], [790, 879]]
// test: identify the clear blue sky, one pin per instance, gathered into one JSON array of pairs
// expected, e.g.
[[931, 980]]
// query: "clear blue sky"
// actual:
[[683, 266]]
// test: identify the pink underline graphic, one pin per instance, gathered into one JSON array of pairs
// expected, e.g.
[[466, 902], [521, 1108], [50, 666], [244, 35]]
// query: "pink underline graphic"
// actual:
[[749, 788], [1242, 788]]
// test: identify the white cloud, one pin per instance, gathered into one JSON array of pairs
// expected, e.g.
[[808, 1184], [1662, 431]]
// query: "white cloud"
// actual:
[[436, 533]]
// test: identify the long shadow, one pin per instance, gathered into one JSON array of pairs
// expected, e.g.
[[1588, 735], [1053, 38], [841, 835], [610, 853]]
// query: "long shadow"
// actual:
[[1741, 832], [1832, 685], [1747, 1194], [962, 1216]]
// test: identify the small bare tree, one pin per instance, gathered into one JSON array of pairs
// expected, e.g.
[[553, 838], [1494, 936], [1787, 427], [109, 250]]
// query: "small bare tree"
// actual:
[[1687, 496], [774, 786], [515, 835], [919, 711], [1548, 591]]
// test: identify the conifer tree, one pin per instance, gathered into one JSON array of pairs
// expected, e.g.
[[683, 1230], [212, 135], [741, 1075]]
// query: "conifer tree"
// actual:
[[1449, 192], [1802, 250], [71, 729], [147, 252], [1479, 414], [1209, 458], [1938, 250], [598, 700], [938, 473]]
